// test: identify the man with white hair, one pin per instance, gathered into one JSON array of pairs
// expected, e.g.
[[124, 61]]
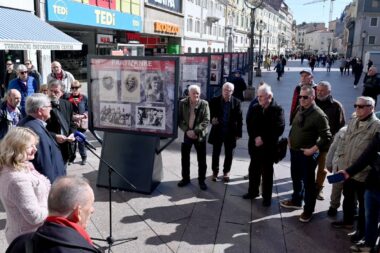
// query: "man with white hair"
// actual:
[[265, 125], [335, 114], [227, 124], [10, 114], [371, 84], [25, 84], [193, 119], [57, 73]]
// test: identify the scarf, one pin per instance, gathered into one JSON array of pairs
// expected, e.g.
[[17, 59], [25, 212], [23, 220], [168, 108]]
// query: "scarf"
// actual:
[[65, 222], [75, 100]]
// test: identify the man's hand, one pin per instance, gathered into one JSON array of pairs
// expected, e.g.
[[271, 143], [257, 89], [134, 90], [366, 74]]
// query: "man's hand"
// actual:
[[191, 134], [60, 138], [70, 138], [215, 121], [346, 175], [309, 151], [258, 141]]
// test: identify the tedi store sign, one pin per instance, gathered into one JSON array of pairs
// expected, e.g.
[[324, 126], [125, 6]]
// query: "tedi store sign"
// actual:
[[67, 11]]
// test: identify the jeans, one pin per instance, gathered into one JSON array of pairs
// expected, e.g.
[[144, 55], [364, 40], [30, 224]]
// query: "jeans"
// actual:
[[372, 212], [228, 156], [200, 147], [302, 170], [353, 190]]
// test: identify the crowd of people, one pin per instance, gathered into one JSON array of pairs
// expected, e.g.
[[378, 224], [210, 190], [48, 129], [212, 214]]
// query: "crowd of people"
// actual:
[[37, 126]]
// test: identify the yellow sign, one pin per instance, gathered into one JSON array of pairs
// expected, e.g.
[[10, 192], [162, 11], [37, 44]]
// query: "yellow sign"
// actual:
[[166, 28]]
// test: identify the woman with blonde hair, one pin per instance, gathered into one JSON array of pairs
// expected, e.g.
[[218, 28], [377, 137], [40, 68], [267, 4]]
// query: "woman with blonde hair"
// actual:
[[23, 190]]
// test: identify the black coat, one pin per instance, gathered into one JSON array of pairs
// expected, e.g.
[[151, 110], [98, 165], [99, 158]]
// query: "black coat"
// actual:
[[52, 238], [269, 124], [67, 126], [235, 121], [239, 87]]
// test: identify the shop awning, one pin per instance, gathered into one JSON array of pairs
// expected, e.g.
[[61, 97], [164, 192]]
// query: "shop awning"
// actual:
[[21, 30]]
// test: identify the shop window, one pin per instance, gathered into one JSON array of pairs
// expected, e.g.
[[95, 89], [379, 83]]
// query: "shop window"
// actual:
[[189, 49]]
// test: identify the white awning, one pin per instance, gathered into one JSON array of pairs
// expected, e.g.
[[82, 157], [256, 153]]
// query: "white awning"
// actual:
[[31, 33]]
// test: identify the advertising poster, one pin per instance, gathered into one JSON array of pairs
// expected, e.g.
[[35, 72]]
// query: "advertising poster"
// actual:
[[216, 69], [134, 94], [194, 69]]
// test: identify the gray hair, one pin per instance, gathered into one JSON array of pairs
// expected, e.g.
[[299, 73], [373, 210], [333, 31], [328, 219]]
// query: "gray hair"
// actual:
[[310, 90], [231, 85], [67, 193], [325, 84], [195, 87], [266, 89], [21, 67], [35, 102], [368, 100], [55, 83]]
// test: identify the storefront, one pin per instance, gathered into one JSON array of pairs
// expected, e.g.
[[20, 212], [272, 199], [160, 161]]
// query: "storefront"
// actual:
[[97, 24], [163, 27], [18, 43]]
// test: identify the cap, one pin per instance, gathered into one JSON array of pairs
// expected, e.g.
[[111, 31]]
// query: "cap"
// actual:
[[306, 71]]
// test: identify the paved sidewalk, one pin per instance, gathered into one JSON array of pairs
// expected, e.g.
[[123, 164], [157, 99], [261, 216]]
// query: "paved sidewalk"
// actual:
[[185, 220]]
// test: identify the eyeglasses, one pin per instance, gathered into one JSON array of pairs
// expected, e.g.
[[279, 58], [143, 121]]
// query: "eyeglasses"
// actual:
[[23, 72], [27, 63], [304, 97], [361, 106], [9, 64], [75, 88], [46, 106]]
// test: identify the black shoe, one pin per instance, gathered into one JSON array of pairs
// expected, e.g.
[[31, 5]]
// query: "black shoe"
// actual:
[[267, 202], [250, 196], [183, 183], [332, 212], [356, 237], [203, 186], [84, 161]]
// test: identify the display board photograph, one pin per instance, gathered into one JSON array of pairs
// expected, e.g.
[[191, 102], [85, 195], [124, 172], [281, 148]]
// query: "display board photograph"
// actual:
[[226, 65], [216, 67], [134, 94]]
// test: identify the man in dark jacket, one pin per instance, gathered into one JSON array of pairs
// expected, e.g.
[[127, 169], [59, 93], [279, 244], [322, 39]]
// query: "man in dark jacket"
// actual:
[[335, 114], [70, 205], [371, 157], [10, 74], [61, 125], [32, 71], [48, 159], [357, 70], [227, 123], [239, 84], [266, 124], [371, 84]]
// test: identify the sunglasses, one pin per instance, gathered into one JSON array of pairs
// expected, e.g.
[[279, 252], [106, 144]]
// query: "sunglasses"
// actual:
[[304, 97], [361, 106], [23, 72], [75, 88]]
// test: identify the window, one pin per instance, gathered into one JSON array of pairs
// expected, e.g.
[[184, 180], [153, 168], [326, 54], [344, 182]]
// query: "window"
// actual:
[[198, 2], [189, 24], [203, 50], [214, 30], [197, 26], [189, 49], [209, 50], [204, 5], [375, 3], [373, 21], [371, 40], [213, 50], [197, 50], [241, 40], [204, 27]]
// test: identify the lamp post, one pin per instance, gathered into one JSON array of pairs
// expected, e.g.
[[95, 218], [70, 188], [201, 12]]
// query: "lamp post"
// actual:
[[267, 35], [364, 35], [253, 5], [261, 27]]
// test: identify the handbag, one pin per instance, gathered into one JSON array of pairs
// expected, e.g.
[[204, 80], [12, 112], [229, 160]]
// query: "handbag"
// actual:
[[281, 148]]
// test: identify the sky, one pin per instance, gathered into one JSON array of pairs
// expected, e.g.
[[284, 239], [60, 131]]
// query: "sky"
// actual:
[[315, 12]]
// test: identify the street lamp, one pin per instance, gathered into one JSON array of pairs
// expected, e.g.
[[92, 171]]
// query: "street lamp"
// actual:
[[261, 27], [253, 5], [364, 35]]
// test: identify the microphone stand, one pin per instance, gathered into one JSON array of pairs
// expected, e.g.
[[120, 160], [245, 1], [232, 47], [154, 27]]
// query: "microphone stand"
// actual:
[[110, 239]]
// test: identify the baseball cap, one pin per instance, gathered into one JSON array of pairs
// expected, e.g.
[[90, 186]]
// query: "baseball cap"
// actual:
[[306, 71]]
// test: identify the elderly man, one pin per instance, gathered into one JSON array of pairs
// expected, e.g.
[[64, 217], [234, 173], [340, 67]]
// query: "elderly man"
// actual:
[[48, 160], [239, 84], [360, 131], [309, 133], [335, 114], [10, 114], [25, 84], [371, 84], [61, 125], [306, 78], [265, 125], [227, 123], [57, 73], [9, 75], [193, 119], [32, 71], [70, 204]]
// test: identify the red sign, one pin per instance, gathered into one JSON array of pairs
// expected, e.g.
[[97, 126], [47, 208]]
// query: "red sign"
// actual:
[[133, 36]]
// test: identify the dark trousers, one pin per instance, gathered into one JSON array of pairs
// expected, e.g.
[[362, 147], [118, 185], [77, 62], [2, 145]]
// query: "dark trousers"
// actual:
[[261, 168], [302, 170], [341, 71], [372, 214], [353, 190], [200, 147], [228, 156], [357, 78]]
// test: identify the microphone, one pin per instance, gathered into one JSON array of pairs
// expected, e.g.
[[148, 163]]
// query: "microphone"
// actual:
[[82, 138]]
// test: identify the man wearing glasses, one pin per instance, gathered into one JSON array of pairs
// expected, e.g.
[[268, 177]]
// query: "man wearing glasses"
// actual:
[[32, 71], [309, 133], [10, 74], [360, 132], [25, 84]]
